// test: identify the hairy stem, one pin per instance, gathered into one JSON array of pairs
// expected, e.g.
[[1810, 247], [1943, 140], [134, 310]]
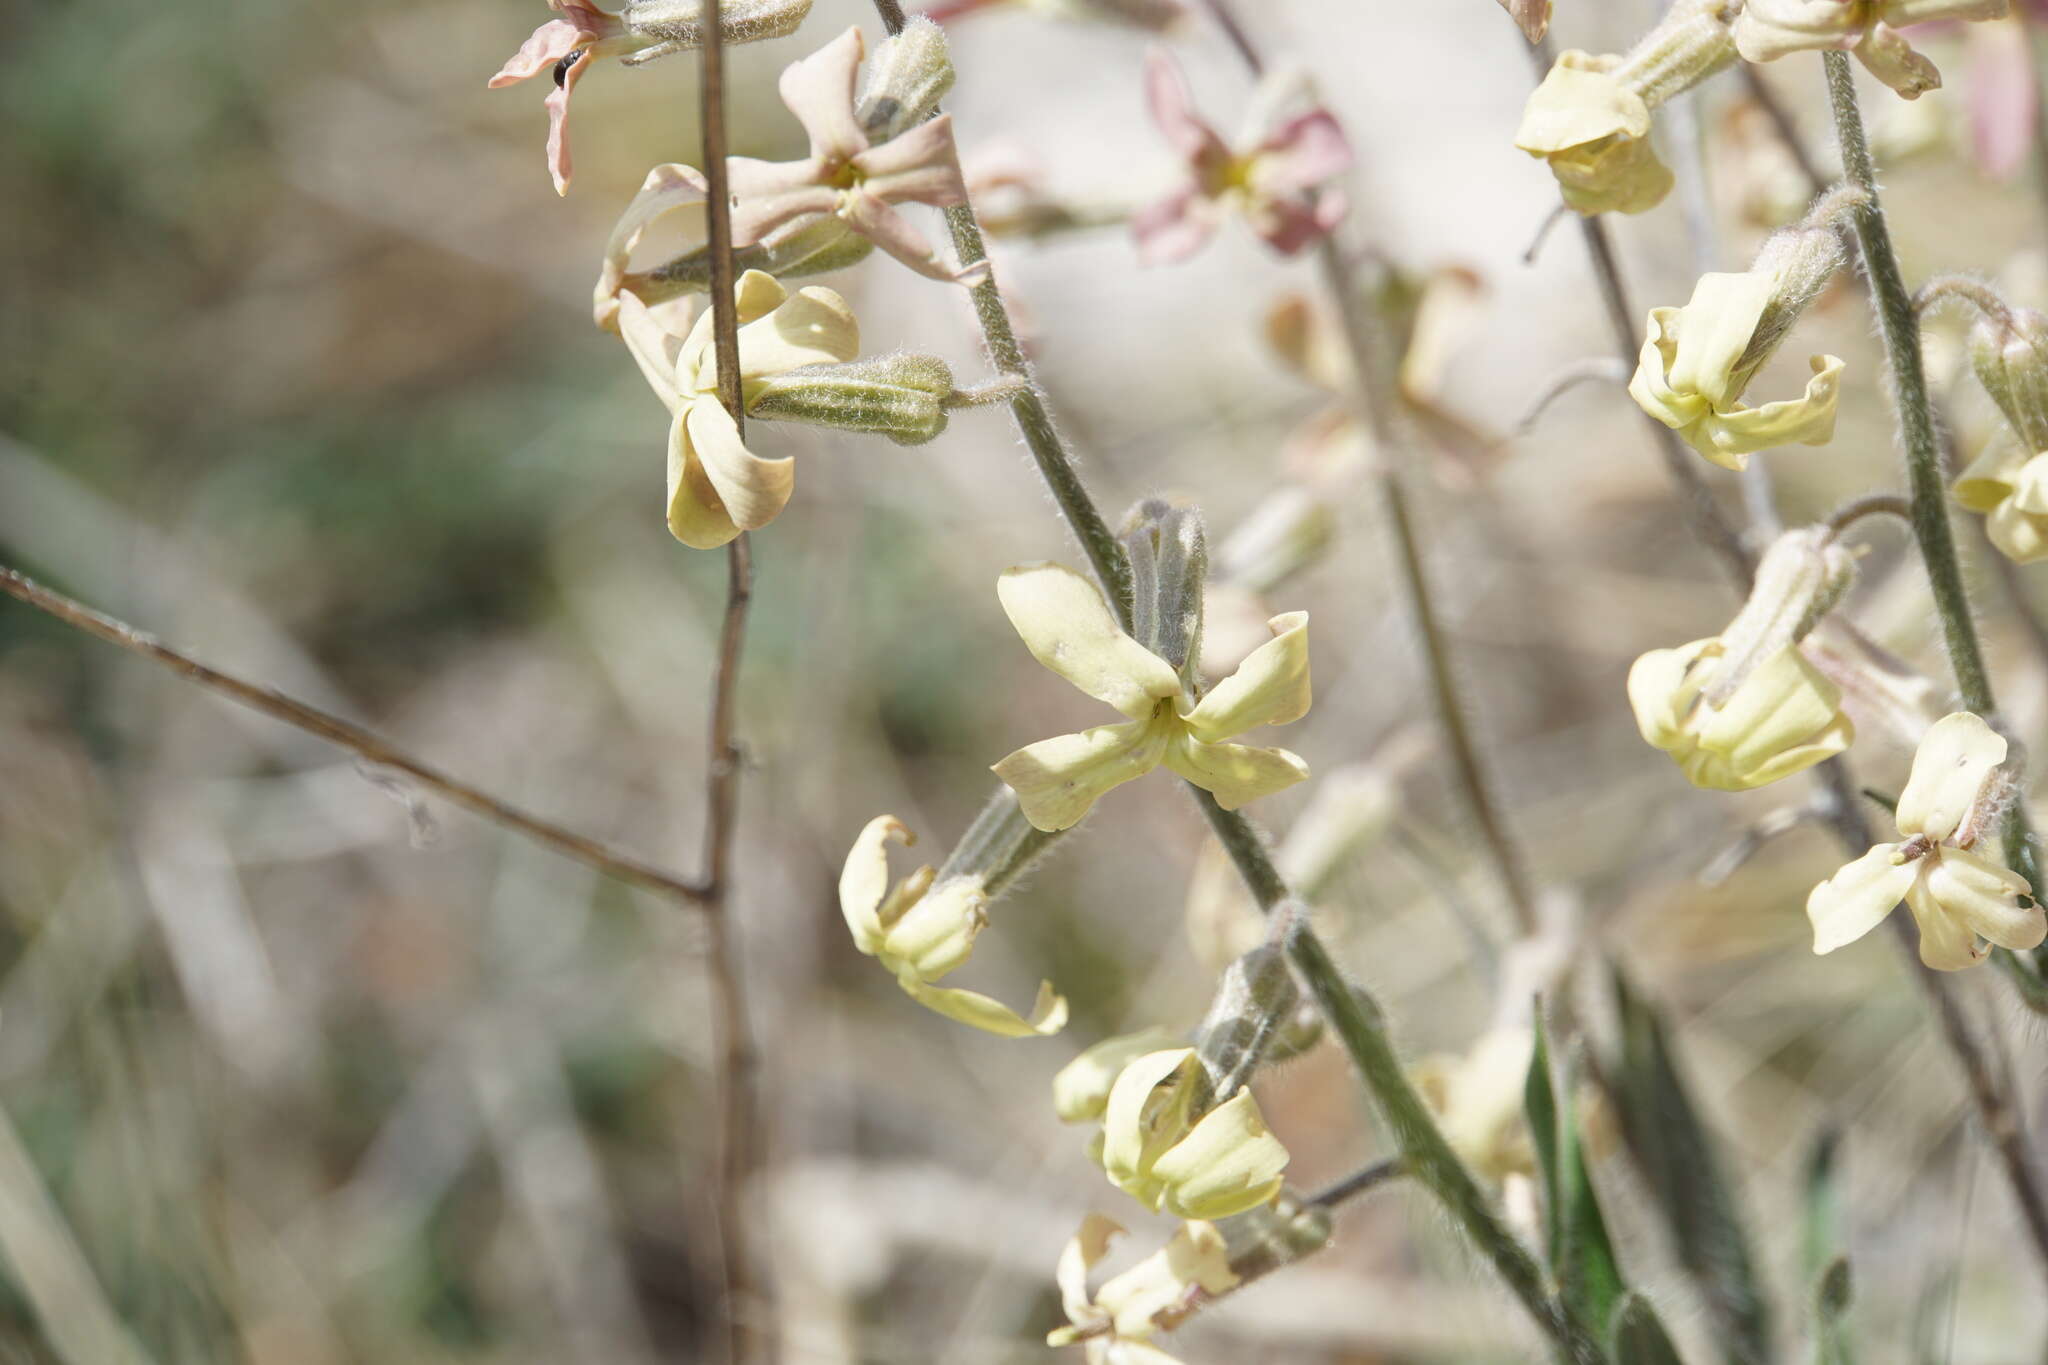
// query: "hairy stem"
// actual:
[[1359, 1182], [740, 1149]]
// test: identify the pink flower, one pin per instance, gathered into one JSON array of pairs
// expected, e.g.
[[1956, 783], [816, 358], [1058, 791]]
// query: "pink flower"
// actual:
[[568, 45], [1273, 175], [846, 174]]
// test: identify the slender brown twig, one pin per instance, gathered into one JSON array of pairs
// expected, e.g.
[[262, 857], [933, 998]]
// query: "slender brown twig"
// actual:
[[739, 1146], [369, 747]]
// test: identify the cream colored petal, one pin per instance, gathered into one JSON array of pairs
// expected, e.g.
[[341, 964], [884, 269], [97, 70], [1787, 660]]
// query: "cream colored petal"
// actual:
[[1615, 175], [812, 327], [1057, 780], [1229, 1163], [2019, 537], [934, 934], [2030, 487], [1983, 896], [1574, 106], [1235, 774], [1989, 479], [653, 348], [665, 190], [1048, 1014], [1769, 29], [864, 880], [1951, 767], [1661, 694], [1784, 702], [1195, 1257], [1082, 1253], [1856, 899], [1651, 385], [1806, 420], [1271, 687], [1080, 1089], [1135, 1115], [1068, 627], [752, 490], [696, 517], [1832, 739], [819, 90], [1715, 328], [1887, 55], [1946, 943]]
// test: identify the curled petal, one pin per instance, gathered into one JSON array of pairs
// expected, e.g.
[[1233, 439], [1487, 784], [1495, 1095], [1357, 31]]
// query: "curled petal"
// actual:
[[1856, 899], [696, 516], [653, 347], [1146, 1114], [1577, 105], [665, 190], [1729, 438], [1954, 761], [1066, 625], [1301, 154], [1228, 1163], [1271, 686], [1048, 1013], [1143, 1299], [1166, 95], [893, 233], [1174, 228], [753, 490], [1946, 943], [865, 879], [1651, 385], [557, 104], [1080, 1089], [1887, 55], [1235, 774], [1057, 780], [921, 166], [2020, 536], [1991, 478], [1083, 1251], [1984, 897], [1661, 696], [811, 327], [819, 91], [1714, 330], [551, 42]]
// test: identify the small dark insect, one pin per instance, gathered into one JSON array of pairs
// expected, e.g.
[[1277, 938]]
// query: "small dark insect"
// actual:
[[562, 67]]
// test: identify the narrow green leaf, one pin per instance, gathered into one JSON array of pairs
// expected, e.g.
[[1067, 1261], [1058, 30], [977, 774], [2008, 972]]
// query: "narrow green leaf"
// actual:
[[1587, 1273], [1638, 1337], [1539, 1107], [1671, 1145], [1821, 1206]]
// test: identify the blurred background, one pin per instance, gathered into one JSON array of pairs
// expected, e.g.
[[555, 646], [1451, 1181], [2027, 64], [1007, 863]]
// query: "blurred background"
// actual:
[[298, 1067]]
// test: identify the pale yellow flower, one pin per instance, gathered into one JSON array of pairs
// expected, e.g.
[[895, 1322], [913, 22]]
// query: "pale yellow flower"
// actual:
[[718, 488], [1068, 628], [2009, 487], [1769, 29], [1080, 1089], [1477, 1098], [1783, 718], [1959, 899], [1117, 1324], [1594, 131], [920, 933], [1698, 360], [1160, 1148]]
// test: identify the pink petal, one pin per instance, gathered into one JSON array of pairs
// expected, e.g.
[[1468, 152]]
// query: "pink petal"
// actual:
[[2003, 96], [1166, 94], [819, 91], [892, 232], [1175, 228], [551, 42], [1302, 153], [1288, 225], [769, 194], [558, 122], [921, 166]]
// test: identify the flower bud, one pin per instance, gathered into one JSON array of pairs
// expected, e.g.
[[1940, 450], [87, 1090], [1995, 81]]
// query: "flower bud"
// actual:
[[2010, 355], [671, 26], [1258, 996], [1691, 43], [1169, 557], [1800, 578], [899, 396], [904, 81]]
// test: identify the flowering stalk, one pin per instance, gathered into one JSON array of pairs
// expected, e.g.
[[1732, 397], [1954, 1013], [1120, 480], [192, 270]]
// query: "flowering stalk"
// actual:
[[1899, 323], [739, 1148]]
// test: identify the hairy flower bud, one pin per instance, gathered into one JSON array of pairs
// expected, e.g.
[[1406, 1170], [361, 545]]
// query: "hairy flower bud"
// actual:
[[1169, 557], [899, 396], [1255, 1000], [2010, 356], [1800, 578], [904, 81]]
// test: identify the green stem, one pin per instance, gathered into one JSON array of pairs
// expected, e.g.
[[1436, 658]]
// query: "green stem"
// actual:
[[1424, 1153], [1899, 324]]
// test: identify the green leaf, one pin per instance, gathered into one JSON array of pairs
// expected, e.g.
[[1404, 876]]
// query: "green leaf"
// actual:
[[1639, 1338], [1820, 1206], [1676, 1154], [1581, 1254]]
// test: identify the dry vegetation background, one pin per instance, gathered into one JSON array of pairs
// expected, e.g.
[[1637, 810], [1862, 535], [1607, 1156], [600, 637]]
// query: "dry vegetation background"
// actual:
[[298, 373]]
